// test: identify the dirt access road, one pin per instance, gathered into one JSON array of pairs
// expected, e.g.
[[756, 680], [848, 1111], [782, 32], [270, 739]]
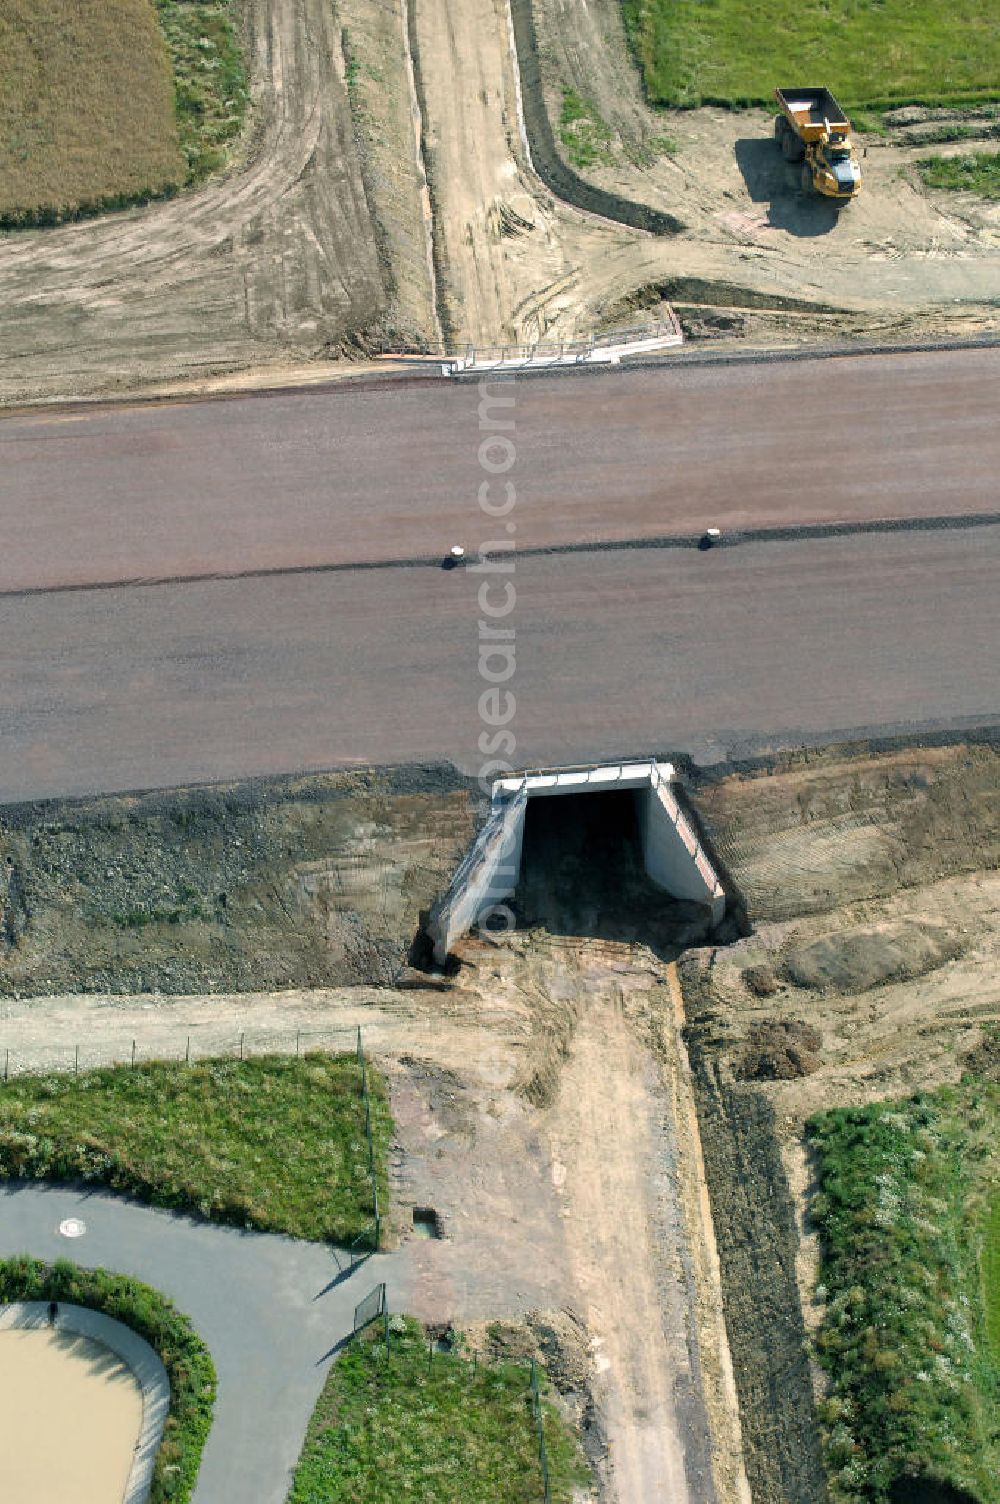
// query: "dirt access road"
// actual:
[[384, 189], [587, 1208]]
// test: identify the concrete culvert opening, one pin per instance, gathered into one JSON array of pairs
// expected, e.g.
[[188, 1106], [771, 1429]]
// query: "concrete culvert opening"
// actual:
[[583, 873], [604, 851]]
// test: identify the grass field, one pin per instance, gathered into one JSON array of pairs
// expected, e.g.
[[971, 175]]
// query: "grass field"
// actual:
[[871, 53], [273, 1143], [183, 1354], [979, 172], [429, 1429], [909, 1219], [105, 103], [991, 1277]]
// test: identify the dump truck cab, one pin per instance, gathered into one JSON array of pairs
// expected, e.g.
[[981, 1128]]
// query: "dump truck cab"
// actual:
[[813, 129], [835, 159]]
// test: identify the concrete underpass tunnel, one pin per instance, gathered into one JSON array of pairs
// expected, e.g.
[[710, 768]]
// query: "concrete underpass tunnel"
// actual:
[[602, 851]]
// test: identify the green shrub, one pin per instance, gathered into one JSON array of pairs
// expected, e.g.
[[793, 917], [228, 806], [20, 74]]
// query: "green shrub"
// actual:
[[273, 1142], [585, 137], [421, 1426], [914, 1380], [979, 172]]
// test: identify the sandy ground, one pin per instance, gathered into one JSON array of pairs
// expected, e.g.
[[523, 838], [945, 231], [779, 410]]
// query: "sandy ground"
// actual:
[[886, 868], [69, 1415], [900, 256]]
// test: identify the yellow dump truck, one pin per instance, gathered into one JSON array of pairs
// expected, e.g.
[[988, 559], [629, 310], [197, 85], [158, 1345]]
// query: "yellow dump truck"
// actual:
[[813, 129]]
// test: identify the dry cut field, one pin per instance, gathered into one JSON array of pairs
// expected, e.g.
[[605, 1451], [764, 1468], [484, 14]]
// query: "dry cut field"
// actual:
[[86, 106]]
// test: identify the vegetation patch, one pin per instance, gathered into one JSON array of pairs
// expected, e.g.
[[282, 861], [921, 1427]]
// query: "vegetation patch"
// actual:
[[102, 107], [871, 53], [585, 137], [155, 1318], [979, 172], [991, 1277], [907, 1211], [424, 1425], [273, 1143], [210, 88]]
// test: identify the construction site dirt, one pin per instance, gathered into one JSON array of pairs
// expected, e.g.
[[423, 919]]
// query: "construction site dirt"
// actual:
[[384, 197], [544, 1105]]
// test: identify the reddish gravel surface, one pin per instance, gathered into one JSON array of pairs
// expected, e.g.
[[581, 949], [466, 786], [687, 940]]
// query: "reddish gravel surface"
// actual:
[[617, 653], [392, 472]]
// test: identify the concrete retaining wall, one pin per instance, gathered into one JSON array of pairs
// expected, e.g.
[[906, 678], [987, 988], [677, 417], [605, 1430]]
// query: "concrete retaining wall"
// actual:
[[489, 874], [671, 850]]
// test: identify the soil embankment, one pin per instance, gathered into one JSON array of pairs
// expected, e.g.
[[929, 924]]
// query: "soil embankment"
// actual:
[[299, 882], [870, 881], [545, 156]]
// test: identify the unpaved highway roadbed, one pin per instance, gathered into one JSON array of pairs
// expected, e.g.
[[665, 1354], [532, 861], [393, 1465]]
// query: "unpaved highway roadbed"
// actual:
[[714, 653], [391, 471]]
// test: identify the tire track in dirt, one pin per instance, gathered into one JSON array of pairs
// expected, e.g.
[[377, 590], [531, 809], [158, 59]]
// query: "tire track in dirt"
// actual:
[[277, 256]]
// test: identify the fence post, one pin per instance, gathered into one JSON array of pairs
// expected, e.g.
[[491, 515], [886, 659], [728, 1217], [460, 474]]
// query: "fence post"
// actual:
[[297, 1032], [6, 1067], [187, 1052], [133, 1054], [76, 1061], [241, 1046], [543, 1456]]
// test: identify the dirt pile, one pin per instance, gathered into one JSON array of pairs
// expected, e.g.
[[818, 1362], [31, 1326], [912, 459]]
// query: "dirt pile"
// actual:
[[984, 1058], [778, 1049], [857, 960]]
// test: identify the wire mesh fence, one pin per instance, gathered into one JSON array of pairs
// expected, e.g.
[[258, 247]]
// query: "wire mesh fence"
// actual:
[[539, 1419], [193, 1047], [188, 1046]]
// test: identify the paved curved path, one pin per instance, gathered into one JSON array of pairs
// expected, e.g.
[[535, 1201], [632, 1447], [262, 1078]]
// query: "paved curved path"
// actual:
[[267, 1307]]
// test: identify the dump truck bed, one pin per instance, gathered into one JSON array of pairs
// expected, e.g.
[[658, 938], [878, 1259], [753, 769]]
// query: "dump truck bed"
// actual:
[[811, 112]]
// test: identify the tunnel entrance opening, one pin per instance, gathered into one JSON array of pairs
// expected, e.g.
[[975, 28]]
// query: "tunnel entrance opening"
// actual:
[[606, 851], [583, 873]]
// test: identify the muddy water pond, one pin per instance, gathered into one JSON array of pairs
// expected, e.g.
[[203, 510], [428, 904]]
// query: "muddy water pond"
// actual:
[[70, 1412]]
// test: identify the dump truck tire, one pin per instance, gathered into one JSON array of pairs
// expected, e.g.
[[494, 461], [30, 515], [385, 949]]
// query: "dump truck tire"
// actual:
[[780, 128], [806, 178], [792, 149]]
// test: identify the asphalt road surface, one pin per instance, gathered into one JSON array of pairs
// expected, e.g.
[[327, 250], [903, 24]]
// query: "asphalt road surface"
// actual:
[[305, 660]]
